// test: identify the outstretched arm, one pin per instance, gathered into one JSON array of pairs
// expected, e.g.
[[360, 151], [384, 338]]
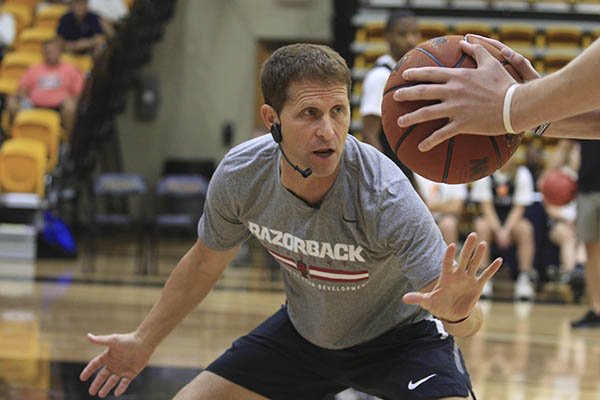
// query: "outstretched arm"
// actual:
[[127, 354], [572, 90]]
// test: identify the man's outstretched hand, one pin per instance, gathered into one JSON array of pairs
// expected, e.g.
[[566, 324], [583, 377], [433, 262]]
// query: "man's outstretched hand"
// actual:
[[125, 357], [458, 288]]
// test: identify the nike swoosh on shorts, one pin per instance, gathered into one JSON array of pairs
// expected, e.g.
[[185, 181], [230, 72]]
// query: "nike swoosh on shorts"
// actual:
[[413, 386]]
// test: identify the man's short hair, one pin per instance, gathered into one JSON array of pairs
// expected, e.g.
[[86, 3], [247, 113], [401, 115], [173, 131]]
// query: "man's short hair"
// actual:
[[396, 16], [297, 63]]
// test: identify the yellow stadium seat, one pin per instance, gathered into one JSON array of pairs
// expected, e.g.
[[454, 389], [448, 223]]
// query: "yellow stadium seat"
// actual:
[[374, 31], [49, 16], [32, 39], [40, 124], [21, 12], [517, 34], [32, 4], [563, 35], [23, 166], [594, 34], [367, 59], [361, 35], [83, 62], [478, 28], [555, 60], [9, 86], [16, 63], [430, 29]]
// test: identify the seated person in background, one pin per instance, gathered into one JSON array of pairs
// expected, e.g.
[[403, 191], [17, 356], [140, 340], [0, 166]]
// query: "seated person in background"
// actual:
[[562, 232], [51, 84], [8, 30], [503, 197], [446, 203], [81, 30], [562, 219]]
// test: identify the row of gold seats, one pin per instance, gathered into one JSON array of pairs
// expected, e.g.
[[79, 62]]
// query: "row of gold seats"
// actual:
[[25, 14], [552, 35], [546, 62]]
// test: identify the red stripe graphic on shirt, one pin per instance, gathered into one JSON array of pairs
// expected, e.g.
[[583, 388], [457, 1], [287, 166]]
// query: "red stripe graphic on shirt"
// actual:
[[320, 273]]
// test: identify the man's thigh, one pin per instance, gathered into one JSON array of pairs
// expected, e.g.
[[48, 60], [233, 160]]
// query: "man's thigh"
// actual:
[[211, 386]]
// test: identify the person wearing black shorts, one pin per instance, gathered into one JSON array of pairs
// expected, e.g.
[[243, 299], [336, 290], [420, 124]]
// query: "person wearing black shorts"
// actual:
[[373, 294]]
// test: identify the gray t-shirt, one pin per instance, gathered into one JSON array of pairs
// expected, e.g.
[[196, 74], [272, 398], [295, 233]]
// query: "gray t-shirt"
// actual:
[[347, 263]]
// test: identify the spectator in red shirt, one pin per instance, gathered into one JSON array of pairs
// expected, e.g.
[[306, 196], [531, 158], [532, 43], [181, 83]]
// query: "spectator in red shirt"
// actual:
[[51, 84]]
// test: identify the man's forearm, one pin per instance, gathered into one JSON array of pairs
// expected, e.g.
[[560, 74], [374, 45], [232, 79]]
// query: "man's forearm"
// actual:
[[581, 126], [188, 284], [572, 90]]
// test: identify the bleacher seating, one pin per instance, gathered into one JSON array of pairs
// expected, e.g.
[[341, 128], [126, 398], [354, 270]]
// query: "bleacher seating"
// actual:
[[36, 157]]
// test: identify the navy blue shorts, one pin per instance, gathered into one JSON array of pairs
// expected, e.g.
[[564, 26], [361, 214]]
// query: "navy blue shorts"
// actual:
[[410, 362]]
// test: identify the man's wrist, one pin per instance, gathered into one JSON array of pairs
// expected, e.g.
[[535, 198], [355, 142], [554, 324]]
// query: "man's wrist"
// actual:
[[506, 120], [454, 322]]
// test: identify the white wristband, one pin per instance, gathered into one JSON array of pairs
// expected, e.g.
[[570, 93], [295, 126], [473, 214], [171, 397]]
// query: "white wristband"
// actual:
[[506, 109]]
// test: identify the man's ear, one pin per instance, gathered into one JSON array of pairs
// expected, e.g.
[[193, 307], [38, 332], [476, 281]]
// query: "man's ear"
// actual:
[[269, 115]]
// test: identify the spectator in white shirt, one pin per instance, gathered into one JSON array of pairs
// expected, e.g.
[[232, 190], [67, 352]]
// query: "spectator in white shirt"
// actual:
[[8, 30]]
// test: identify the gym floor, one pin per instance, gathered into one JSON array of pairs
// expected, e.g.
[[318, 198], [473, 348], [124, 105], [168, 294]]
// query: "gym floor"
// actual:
[[524, 350]]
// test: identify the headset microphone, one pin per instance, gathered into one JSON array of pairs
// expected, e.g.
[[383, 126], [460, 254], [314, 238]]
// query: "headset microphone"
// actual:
[[276, 133]]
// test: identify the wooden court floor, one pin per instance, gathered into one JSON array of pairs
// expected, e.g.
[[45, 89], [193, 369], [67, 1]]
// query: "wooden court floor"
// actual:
[[524, 351]]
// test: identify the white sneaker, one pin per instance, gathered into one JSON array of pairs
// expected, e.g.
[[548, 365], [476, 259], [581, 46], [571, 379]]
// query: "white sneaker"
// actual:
[[524, 288], [488, 290]]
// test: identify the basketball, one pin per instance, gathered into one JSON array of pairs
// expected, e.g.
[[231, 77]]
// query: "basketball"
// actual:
[[461, 159], [559, 188]]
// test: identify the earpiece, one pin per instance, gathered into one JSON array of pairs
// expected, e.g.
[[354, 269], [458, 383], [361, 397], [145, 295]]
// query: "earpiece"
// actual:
[[276, 132]]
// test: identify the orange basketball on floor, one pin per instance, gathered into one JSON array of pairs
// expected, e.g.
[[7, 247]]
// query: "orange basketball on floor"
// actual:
[[558, 188], [461, 159]]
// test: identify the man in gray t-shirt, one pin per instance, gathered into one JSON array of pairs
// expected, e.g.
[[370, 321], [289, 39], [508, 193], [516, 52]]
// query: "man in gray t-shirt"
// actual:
[[373, 293]]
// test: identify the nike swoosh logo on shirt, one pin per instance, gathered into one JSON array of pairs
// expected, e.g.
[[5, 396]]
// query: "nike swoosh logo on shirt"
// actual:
[[413, 386], [349, 220]]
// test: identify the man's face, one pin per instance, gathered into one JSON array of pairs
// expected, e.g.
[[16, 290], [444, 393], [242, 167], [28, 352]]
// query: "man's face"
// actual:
[[315, 121], [52, 52], [80, 9], [403, 36]]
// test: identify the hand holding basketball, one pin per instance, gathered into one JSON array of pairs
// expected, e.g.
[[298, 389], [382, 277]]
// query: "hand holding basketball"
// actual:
[[463, 158], [484, 87]]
